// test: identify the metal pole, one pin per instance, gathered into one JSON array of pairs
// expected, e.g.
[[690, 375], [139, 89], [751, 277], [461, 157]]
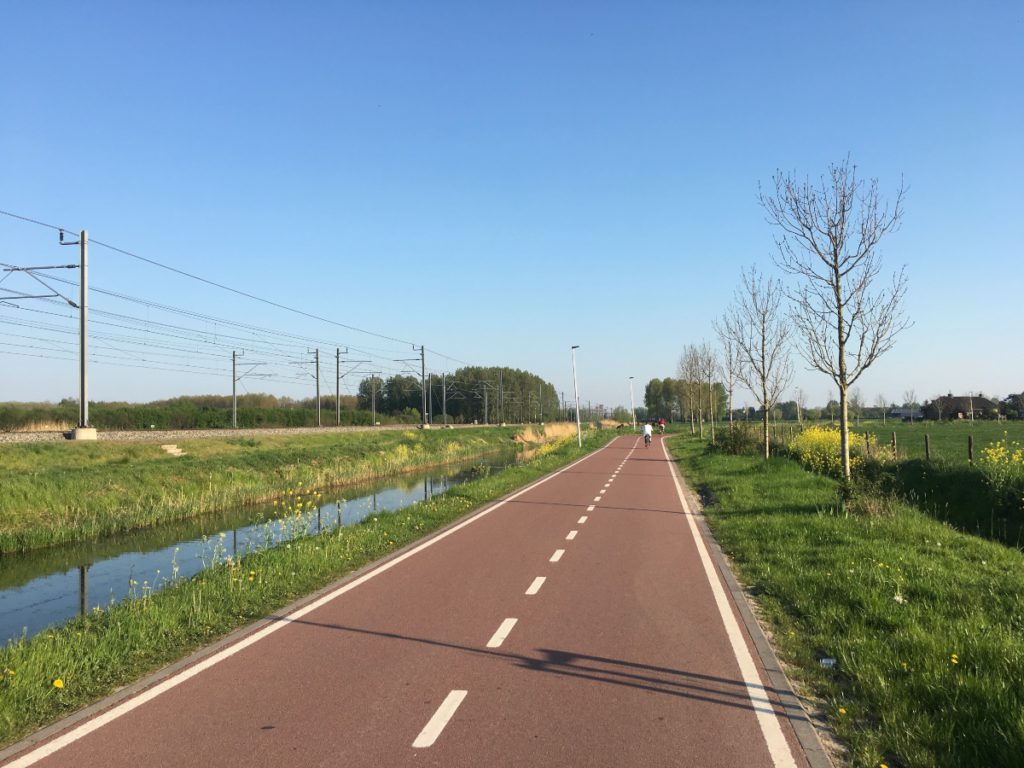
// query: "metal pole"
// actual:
[[318, 386], [423, 381], [576, 390], [501, 398], [234, 393], [83, 323], [632, 406], [444, 397], [337, 382], [373, 401]]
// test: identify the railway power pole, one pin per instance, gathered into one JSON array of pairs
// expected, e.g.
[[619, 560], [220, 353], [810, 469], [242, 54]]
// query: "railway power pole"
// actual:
[[84, 431], [234, 392], [423, 379]]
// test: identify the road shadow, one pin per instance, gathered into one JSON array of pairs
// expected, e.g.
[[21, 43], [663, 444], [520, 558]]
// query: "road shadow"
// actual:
[[678, 683]]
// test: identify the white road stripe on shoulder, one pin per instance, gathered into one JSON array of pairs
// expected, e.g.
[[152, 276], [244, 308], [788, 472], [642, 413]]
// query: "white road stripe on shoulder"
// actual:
[[440, 719], [571, 535], [582, 520], [771, 730], [590, 508], [499, 637], [557, 556], [534, 588]]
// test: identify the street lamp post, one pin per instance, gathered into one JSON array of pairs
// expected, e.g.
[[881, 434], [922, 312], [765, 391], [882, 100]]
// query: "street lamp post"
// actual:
[[576, 390], [632, 407]]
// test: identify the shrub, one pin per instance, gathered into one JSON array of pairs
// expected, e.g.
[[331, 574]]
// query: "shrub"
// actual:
[[1002, 463], [739, 440], [819, 449]]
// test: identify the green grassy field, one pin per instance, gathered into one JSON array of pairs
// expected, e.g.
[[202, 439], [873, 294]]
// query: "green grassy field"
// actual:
[[926, 623], [947, 439], [54, 493], [98, 653]]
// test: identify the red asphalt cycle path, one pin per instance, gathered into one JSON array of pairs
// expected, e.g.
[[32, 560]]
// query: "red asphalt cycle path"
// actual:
[[621, 656]]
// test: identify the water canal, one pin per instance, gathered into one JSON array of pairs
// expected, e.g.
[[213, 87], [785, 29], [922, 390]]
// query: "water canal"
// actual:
[[46, 587]]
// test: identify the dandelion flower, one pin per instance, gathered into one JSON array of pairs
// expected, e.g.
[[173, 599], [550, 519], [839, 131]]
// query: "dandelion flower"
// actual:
[[842, 710], [58, 683], [954, 659]]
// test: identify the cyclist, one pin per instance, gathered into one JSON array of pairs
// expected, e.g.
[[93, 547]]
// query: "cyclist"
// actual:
[[647, 435]]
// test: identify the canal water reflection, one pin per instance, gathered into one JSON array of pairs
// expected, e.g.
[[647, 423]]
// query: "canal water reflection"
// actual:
[[46, 587]]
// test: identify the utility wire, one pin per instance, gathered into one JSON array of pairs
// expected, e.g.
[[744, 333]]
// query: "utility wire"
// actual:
[[236, 291]]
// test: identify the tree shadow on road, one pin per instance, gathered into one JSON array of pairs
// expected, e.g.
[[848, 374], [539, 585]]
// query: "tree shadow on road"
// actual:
[[694, 686]]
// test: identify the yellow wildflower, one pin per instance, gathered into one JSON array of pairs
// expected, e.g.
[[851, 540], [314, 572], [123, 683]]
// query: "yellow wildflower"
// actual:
[[58, 683]]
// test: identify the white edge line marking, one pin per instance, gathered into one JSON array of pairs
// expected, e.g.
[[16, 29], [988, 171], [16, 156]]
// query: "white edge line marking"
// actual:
[[33, 756], [778, 747], [440, 719], [590, 508], [534, 588], [582, 520], [557, 556], [499, 637], [571, 535]]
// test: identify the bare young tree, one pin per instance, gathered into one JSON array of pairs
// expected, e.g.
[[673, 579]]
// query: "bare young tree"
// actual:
[[829, 241], [856, 404], [882, 404], [689, 381], [708, 366], [731, 363], [801, 405], [756, 324]]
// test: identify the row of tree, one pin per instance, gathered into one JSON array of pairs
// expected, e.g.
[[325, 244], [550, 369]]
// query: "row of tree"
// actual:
[[833, 313]]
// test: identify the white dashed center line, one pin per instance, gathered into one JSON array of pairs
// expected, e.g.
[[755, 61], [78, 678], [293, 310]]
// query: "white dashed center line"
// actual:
[[557, 556], [590, 508], [597, 498], [499, 637], [440, 719], [571, 536], [582, 520], [534, 588]]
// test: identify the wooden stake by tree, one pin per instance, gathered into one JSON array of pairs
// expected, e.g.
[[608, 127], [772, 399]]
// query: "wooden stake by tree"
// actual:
[[756, 324], [829, 242]]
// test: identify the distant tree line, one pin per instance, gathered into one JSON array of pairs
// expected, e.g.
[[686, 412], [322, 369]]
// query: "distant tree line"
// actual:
[[472, 394]]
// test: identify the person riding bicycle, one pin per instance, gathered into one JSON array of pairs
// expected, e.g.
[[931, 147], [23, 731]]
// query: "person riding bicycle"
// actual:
[[661, 426], [647, 434]]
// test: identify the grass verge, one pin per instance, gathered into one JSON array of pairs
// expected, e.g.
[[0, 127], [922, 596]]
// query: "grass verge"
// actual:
[[56, 493], [57, 672], [926, 623]]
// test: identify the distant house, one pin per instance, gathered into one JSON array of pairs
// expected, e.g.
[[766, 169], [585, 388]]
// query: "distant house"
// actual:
[[905, 414], [950, 407]]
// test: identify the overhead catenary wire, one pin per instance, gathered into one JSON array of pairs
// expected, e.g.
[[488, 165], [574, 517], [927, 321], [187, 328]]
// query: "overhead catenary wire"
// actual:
[[272, 344]]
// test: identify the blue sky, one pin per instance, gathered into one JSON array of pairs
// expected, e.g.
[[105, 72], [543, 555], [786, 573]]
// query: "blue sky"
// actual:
[[494, 181]]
